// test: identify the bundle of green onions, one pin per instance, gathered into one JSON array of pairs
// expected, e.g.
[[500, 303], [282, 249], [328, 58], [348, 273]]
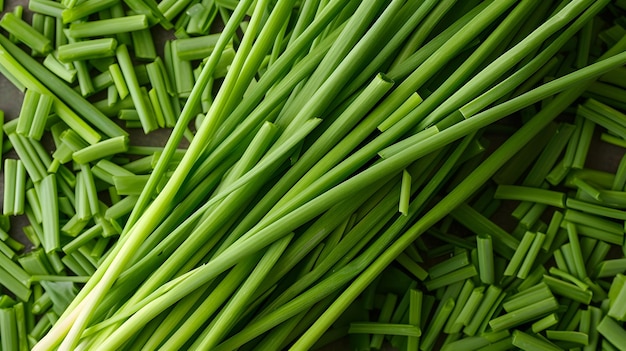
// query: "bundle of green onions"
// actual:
[[336, 170]]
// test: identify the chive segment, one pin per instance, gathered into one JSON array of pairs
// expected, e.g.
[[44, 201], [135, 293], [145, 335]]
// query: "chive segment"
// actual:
[[108, 26], [25, 33]]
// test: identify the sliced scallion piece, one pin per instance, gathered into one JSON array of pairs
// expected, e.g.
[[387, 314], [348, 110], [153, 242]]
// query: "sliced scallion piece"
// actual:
[[108, 26]]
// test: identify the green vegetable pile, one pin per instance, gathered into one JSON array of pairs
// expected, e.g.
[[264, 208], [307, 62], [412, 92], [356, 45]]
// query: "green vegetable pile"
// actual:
[[415, 174]]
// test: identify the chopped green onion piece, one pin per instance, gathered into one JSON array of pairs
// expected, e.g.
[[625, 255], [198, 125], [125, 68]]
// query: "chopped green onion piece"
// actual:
[[485, 258], [412, 267], [530, 343], [610, 268], [195, 48], [20, 188], [87, 50], [596, 209], [34, 166], [8, 329], [102, 81], [171, 8], [25, 33], [101, 149], [27, 112], [522, 193], [76, 224], [384, 328], [436, 325], [90, 189], [10, 179], [74, 142], [582, 147], [143, 45], [529, 260], [562, 274], [15, 286], [545, 323], [108, 26], [118, 80], [160, 82], [613, 332], [130, 185], [148, 121], [40, 118], [452, 326], [520, 253], [588, 220], [484, 311], [620, 176], [156, 107], [588, 188], [2, 143], [451, 278], [415, 315], [568, 336], [83, 238], [468, 309], [24, 321], [86, 8], [6, 250], [525, 297], [112, 95], [46, 7], [453, 263], [183, 74], [568, 290], [524, 314], [577, 255], [47, 192], [405, 193]]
